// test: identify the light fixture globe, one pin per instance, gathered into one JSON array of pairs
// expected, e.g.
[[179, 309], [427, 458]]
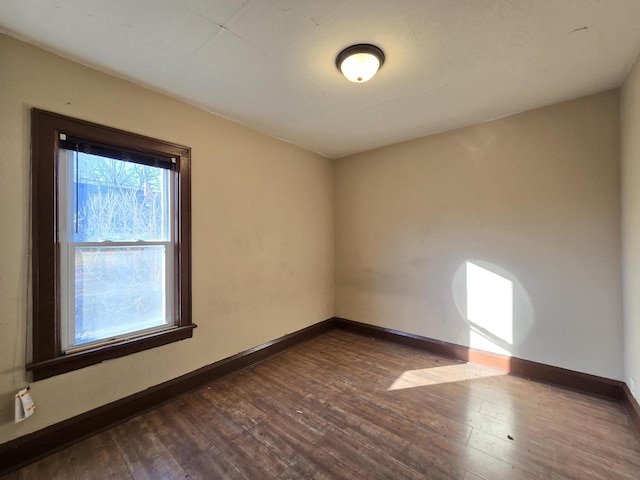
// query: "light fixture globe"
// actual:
[[359, 63]]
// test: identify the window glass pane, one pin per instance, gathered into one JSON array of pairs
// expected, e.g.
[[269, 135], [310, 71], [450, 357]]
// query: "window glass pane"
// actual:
[[117, 200], [118, 290]]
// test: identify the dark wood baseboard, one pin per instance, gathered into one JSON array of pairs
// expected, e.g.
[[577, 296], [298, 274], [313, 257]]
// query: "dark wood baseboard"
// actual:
[[633, 408], [33, 446], [582, 382]]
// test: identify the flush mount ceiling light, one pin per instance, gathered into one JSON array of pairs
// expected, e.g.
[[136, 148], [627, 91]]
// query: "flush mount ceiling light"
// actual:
[[359, 63]]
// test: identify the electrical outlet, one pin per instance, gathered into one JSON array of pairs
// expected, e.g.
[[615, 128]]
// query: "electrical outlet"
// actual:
[[632, 386]]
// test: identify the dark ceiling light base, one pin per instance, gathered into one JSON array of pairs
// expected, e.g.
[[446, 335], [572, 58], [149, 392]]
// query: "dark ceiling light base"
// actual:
[[359, 63]]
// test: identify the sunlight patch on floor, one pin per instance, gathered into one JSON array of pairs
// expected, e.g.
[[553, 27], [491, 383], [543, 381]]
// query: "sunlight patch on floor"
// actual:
[[445, 374]]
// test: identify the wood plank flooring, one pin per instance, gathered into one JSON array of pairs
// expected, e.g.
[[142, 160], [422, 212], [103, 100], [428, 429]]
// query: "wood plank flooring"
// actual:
[[345, 406]]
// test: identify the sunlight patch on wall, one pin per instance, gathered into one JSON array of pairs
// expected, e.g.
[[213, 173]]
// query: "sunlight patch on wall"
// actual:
[[438, 375], [481, 341], [489, 309], [495, 308]]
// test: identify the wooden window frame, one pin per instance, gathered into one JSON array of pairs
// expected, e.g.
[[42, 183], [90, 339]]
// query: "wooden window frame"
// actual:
[[48, 357]]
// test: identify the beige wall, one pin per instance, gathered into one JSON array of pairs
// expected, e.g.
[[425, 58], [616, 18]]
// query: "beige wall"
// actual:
[[533, 198], [262, 232], [630, 114]]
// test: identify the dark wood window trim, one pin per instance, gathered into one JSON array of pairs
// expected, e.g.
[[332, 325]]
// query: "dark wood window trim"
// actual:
[[48, 359]]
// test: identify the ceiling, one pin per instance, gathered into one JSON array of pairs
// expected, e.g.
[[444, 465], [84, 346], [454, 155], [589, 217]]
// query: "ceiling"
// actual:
[[270, 64]]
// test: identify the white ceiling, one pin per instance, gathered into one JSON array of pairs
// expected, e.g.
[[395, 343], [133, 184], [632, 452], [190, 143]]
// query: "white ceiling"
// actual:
[[269, 64]]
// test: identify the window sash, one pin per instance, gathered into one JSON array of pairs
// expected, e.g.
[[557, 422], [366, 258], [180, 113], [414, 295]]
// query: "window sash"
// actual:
[[68, 261]]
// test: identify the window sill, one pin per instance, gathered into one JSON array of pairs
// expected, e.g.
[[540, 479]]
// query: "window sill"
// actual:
[[76, 361]]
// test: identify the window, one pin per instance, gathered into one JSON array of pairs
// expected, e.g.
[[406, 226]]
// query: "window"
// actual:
[[111, 243]]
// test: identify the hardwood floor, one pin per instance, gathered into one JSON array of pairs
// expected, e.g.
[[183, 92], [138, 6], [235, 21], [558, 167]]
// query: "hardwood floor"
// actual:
[[347, 406]]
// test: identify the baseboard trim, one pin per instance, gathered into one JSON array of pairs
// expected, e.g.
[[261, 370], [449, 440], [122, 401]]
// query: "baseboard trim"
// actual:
[[582, 382], [633, 408], [28, 448]]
